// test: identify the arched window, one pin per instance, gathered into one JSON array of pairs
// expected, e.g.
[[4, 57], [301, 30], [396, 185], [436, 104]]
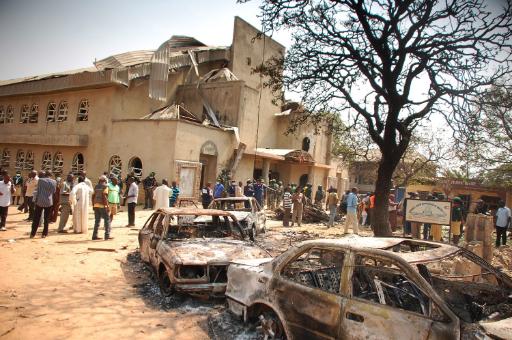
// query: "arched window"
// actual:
[[29, 161], [78, 164], [63, 112], [51, 112], [34, 114], [47, 161], [2, 115], [83, 111], [6, 158], [135, 165], [58, 163], [115, 165], [9, 115], [24, 113], [305, 144], [20, 160]]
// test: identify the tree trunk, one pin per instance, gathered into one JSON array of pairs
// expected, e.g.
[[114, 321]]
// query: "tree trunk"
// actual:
[[380, 217]]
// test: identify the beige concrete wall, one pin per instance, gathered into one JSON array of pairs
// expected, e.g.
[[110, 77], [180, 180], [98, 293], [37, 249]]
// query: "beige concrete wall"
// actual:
[[246, 54]]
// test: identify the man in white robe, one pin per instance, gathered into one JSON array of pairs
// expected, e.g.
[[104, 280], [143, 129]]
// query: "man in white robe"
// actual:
[[161, 195], [79, 198]]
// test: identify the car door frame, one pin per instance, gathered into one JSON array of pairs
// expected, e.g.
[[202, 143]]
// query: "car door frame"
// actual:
[[145, 235], [153, 252], [278, 280], [450, 329]]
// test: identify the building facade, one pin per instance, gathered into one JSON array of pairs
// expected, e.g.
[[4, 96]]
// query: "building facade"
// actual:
[[185, 111]]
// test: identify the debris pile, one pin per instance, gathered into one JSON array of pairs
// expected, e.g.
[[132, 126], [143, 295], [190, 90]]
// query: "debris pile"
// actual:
[[311, 214]]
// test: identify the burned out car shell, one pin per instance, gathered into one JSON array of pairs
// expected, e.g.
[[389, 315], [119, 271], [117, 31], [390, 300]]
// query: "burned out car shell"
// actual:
[[324, 310], [193, 265], [253, 220]]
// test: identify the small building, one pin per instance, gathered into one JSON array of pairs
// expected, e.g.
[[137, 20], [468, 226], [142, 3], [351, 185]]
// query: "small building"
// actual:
[[186, 111]]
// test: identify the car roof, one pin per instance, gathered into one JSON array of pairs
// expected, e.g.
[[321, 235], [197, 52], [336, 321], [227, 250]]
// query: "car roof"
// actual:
[[195, 212], [432, 250]]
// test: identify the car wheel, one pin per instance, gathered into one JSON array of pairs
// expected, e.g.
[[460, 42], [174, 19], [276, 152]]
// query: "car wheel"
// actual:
[[166, 287], [270, 326]]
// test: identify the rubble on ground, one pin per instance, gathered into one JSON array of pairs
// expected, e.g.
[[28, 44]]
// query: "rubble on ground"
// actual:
[[311, 214]]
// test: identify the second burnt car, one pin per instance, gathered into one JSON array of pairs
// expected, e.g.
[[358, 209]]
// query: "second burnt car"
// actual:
[[192, 255], [373, 288], [247, 210]]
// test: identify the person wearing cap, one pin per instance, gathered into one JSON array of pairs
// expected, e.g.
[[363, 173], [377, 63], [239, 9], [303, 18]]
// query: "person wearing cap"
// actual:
[[319, 196], [457, 219], [17, 181], [100, 207], [149, 184], [481, 207]]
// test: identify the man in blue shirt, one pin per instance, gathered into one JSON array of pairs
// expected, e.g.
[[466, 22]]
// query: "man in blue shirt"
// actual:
[[259, 192], [43, 199], [218, 191], [351, 219], [175, 192]]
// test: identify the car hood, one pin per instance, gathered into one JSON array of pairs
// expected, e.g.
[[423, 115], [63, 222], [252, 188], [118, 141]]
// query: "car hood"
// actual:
[[241, 215], [501, 329], [204, 251], [252, 262]]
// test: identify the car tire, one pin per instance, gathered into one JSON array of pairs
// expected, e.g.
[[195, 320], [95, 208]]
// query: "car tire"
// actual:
[[166, 287], [270, 326]]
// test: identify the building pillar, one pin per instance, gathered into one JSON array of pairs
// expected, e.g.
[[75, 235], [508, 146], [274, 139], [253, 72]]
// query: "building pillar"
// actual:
[[266, 170]]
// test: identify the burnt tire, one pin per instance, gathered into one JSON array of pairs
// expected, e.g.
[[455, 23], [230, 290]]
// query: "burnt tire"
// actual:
[[270, 326], [166, 287]]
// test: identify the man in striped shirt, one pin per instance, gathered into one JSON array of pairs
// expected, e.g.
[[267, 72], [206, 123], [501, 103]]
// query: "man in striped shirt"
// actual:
[[287, 206], [43, 200]]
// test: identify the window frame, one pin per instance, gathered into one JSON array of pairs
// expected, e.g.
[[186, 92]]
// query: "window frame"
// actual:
[[83, 106], [20, 160], [2, 115], [29, 160], [24, 114], [62, 112], [33, 117], [75, 166], [6, 158], [58, 169], [47, 161], [9, 115], [52, 107]]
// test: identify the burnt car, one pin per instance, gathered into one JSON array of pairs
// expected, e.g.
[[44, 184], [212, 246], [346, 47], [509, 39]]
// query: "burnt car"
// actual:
[[247, 211], [193, 256], [372, 288]]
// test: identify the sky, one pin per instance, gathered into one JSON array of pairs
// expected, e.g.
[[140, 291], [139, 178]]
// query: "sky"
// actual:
[[46, 36]]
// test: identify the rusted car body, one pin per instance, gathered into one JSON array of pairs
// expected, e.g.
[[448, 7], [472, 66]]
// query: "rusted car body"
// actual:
[[247, 211], [193, 256], [372, 288]]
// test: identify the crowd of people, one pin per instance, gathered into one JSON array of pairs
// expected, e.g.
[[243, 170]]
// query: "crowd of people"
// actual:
[[43, 196]]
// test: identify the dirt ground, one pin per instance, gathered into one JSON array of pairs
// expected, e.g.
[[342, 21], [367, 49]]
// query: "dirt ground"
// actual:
[[59, 288]]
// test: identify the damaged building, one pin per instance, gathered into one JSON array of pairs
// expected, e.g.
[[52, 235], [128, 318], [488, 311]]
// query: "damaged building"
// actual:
[[185, 110]]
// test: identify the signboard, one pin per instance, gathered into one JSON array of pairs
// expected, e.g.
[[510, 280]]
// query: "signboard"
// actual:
[[187, 177], [434, 212]]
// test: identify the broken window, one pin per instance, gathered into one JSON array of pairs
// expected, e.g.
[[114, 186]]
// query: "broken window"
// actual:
[[20, 160], [209, 226], [34, 114], [382, 281], [63, 112], [115, 165], [29, 161], [410, 246], [317, 268], [47, 161], [6, 158], [51, 112], [78, 164], [305, 144], [135, 166], [24, 114], [58, 163], [2, 115], [83, 111], [9, 115]]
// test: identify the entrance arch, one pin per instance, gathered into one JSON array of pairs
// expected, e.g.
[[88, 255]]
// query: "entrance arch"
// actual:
[[303, 180], [208, 159]]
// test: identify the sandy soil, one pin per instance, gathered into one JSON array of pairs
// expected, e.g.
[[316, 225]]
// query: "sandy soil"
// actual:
[[55, 288]]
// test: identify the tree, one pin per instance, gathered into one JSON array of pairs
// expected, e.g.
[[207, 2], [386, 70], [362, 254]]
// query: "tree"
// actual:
[[387, 65], [485, 134]]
